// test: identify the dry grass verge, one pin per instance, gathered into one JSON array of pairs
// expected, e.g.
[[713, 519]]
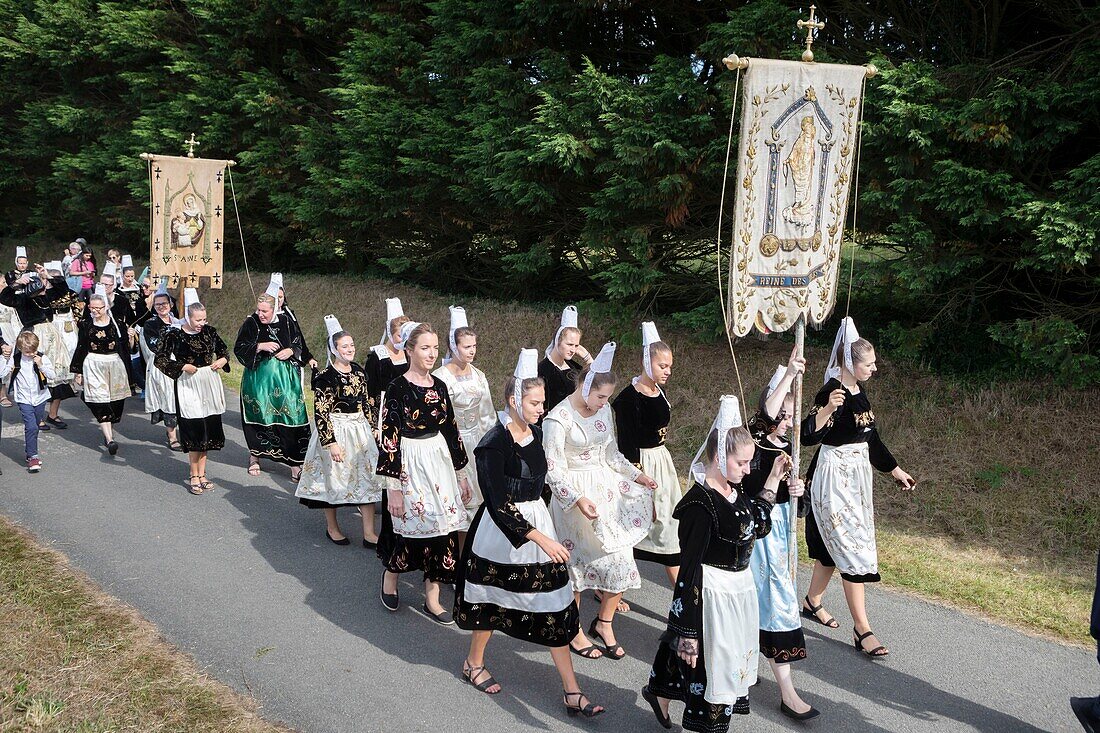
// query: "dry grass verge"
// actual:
[[74, 659], [1006, 519]]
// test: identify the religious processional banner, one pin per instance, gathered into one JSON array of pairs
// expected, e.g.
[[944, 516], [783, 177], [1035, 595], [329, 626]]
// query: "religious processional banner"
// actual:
[[187, 215], [798, 141]]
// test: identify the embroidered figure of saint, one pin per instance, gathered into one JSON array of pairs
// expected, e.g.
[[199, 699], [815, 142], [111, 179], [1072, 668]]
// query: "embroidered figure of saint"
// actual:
[[189, 224], [799, 170]]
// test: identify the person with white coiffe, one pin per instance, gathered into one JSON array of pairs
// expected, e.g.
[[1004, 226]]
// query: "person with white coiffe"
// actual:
[[101, 364], [192, 355], [603, 504], [840, 531], [708, 655], [469, 391], [642, 416], [514, 575], [339, 469]]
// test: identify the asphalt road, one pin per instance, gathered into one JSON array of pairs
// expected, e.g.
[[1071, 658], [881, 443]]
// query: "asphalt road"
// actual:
[[244, 580]]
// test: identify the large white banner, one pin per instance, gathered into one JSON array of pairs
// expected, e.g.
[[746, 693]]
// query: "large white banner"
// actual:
[[798, 138]]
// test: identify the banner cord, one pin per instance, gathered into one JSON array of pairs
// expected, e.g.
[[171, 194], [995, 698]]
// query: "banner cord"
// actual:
[[240, 230], [721, 213], [855, 202]]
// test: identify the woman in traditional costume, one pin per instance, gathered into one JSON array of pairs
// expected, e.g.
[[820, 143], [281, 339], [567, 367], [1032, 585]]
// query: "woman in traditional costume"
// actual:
[[67, 310], [469, 392], [32, 295], [603, 503], [565, 359], [273, 407], [773, 559], [707, 656], [422, 456], [340, 464], [840, 533], [513, 576], [129, 310], [642, 414], [101, 364], [387, 361], [160, 389], [282, 307], [192, 355]]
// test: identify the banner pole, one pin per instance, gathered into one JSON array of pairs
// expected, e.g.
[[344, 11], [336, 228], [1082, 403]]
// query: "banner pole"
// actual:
[[796, 450]]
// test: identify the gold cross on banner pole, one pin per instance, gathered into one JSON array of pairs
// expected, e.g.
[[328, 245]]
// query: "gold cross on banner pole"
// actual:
[[193, 142], [812, 26]]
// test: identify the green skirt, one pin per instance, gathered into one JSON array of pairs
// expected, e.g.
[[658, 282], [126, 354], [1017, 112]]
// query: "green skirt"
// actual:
[[276, 425]]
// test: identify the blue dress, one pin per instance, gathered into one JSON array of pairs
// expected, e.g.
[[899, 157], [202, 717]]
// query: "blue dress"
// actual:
[[781, 636]]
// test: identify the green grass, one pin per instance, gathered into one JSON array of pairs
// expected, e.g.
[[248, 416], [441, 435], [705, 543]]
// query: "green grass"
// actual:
[[74, 659]]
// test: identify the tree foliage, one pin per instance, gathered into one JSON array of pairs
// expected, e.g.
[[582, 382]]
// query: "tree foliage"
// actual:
[[561, 149]]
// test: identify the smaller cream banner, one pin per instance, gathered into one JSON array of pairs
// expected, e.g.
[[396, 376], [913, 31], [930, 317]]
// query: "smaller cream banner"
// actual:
[[188, 212]]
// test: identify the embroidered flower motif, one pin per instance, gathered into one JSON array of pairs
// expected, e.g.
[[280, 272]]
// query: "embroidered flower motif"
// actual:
[[729, 711], [601, 426], [677, 607], [585, 455], [418, 508], [568, 544], [403, 477], [637, 521], [431, 396], [448, 561], [624, 487], [550, 464], [696, 688]]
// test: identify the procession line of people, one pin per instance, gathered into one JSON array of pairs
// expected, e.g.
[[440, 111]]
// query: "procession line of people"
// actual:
[[562, 491]]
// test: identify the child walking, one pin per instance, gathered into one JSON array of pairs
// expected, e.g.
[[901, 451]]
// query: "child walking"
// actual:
[[26, 373]]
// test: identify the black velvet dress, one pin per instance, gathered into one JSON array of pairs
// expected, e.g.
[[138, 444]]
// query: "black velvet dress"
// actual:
[[853, 422], [425, 537], [505, 581], [716, 532], [203, 431], [559, 383]]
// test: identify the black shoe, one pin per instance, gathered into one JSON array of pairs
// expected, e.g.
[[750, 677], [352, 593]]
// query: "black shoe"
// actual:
[[443, 618], [344, 541], [649, 697], [43, 427], [390, 601], [57, 422], [369, 545], [112, 447], [1085, 708], [808, 715]]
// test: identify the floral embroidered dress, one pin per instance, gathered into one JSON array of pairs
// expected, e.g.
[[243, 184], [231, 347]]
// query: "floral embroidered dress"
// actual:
[[473, 406], [344, 414], [200, 396], [583, 460], [840, 531], [102, 357], [506, 582], [421, 454]]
